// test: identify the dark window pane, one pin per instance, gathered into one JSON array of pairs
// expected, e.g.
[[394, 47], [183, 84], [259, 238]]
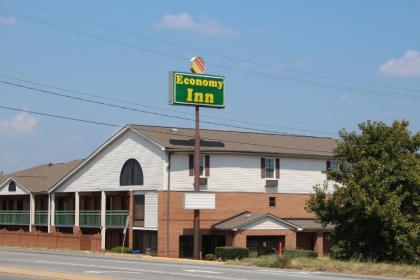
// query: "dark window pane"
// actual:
[[272, 201], [131, 173], [139, 207], [12, 186], [19, 204]]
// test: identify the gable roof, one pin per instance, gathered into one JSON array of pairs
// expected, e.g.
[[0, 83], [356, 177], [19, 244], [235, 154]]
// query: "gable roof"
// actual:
[[241, 220], [42, 177], [182, 139], [245, 218]]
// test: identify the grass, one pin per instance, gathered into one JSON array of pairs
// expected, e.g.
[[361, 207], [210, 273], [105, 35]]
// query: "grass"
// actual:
[[330, 265]]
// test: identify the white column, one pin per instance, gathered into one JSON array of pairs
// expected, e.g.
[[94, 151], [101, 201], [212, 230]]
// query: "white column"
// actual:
[[31, 211], [76, 209], [49, 213], [103, 219], [52, 210]]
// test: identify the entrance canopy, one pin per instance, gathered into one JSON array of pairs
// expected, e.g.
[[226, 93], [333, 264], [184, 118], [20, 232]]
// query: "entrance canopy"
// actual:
[[266, 221]]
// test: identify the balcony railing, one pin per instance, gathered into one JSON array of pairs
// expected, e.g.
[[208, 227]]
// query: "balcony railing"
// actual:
[[64, 217], [41, 217], [14, 217], [116, 218], [90, 218]]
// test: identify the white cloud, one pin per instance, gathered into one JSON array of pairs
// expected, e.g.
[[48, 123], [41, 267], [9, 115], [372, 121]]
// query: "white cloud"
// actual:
[[202, 25], [406, 66], [21, 123], [7, 20]]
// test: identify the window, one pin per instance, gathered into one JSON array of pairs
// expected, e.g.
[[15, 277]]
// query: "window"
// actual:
[[131, 173], [272, 201], [19, 204], [139, 208], [269, 168], [12, 186], [204, 165]]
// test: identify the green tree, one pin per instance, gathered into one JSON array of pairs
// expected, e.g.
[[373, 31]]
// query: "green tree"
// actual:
[[372, 198]]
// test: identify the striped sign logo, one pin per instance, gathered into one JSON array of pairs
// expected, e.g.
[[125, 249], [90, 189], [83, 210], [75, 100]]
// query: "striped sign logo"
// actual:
[[198, 65]]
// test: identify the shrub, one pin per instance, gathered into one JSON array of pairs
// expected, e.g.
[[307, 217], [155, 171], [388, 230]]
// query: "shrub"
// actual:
[[273, 261], [210, 257], [120, 249], [300, 253], [231, 253]]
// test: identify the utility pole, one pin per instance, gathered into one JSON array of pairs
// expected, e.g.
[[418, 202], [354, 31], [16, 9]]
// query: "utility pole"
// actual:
[[196, 226], [196, 90]]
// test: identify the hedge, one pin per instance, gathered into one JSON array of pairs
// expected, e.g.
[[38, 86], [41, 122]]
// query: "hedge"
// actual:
[[231, 253]]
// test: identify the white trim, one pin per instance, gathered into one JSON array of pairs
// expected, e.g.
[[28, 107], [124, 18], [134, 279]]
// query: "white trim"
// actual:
[[147, 138], [145, 228], [98, 150], [21, 186], [271, 216]]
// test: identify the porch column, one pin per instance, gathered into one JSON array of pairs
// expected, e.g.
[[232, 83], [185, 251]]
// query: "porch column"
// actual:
[[103, 219], [130, 219], [319, 244], [76, 227], [31, 211], [51, 212]]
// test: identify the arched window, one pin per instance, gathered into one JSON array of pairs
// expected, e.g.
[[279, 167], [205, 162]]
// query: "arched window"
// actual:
[[12, 186], [131, 173]]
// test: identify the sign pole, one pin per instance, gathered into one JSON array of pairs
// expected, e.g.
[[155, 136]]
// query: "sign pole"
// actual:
[[196, 226]]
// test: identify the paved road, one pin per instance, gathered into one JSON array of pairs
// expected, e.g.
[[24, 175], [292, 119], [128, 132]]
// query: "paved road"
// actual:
[[18, 264]]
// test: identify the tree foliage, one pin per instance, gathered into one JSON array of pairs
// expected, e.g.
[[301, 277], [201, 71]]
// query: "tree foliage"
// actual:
[[374, 201]]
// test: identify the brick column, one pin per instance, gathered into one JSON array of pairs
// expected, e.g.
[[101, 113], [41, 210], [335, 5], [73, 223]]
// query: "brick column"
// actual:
[[239, 239], [76, 227], [130, 219], [290, 240], [103, 220], [319, 244]]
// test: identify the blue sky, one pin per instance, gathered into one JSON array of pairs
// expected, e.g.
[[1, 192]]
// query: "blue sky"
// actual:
[[374, 42]]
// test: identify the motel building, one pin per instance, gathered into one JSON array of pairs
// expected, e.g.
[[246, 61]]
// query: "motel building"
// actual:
[[254, 187]]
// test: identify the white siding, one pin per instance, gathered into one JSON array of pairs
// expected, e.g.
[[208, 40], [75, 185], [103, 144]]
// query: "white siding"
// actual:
[[151, 210], [4, 189], [102, 173], [199, 200], [267, 223], [241, 173]]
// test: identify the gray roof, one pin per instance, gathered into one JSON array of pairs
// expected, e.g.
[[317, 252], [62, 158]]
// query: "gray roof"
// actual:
[[309, 224], [244, 218], [238, 221], [42, 177], [182, 139]]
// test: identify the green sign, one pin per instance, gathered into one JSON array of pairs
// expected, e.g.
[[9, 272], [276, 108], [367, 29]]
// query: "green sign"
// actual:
[[194, 89]]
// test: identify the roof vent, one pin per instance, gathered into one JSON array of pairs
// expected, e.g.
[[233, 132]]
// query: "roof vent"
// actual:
[[247, 215]]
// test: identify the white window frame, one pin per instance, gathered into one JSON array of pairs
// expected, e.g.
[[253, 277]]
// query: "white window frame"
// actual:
[[203, 164], [266, 168]]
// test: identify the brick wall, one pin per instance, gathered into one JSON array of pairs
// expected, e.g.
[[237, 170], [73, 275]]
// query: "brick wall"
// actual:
[[239, 238], [50, 240], [227, 205]]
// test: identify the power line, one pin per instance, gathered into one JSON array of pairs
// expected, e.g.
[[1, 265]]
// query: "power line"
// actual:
[[153, 130], [43, 91], [256, 73], [165, 109], [224, 56]]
